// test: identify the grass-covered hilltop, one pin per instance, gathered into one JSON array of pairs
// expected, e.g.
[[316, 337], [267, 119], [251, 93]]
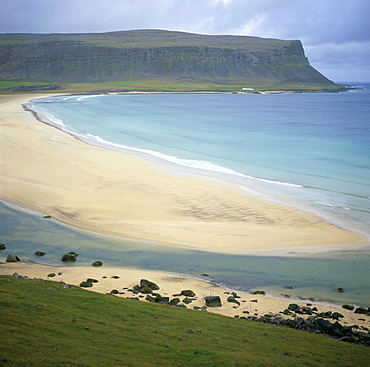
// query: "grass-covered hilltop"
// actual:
[[155, 60]]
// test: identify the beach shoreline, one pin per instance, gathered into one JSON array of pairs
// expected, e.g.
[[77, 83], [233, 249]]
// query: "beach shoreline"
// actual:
[[83, 186], [122, 281]]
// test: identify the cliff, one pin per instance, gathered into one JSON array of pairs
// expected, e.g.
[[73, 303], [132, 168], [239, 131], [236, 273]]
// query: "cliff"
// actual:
[[152, 54]]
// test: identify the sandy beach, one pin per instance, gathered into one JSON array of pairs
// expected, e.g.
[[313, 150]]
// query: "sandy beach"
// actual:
[[88, 187], [171, 285]]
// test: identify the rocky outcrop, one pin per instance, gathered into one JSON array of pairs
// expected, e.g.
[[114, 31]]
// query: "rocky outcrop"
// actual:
[[152, 54]]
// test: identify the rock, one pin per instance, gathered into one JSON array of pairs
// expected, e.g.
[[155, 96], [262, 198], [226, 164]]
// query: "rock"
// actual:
[[2, 246], [47, 216], [86, 284], [362, 310], [348, 307], [147, 283], [341, 290], [162, 300], [233, 300], [336, 315], [71, 256], [91, 280], [149, 298], [51, 275], [188, 293], [12, 259], [174, 301], [97, 263], [259, 292], [146, 290], [114, 291], [39, 253], [293, 307], [213, 301], [187, 300], [115, 277]]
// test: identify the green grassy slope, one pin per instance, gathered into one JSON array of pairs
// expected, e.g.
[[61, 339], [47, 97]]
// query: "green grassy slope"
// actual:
[[44, 324]]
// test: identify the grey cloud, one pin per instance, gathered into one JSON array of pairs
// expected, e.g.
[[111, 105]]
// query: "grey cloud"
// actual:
[[317, 23]]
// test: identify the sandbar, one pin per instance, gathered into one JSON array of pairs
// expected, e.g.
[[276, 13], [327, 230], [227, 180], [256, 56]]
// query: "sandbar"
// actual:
[[104, 191]]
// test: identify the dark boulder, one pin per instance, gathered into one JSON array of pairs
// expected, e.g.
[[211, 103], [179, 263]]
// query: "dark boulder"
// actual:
[[187, 293], [149, 298], [174, 301], [97, 263], [146, 290], [91, 280], [259, 292], [114, 291], [293, 307], [71, 256], [187, 300], [12, 259], [363, 310], [147, 283], [86, 284], [213, 301], [51, 275], [2, 246], [162, 300], [39, 253], [348, 307]]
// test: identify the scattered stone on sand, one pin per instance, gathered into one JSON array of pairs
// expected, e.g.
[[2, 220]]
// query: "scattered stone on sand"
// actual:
[[233, 300], [51, 275], [259, 292], [86, 284], [213, 301], [187, 293], [91, 280], [97, 263], [348, 307], [147, 283], [47, 216], [71, 256], [12, 259]]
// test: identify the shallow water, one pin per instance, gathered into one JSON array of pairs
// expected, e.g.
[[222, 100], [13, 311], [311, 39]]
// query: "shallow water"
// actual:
[[316, 276], [309, 149]]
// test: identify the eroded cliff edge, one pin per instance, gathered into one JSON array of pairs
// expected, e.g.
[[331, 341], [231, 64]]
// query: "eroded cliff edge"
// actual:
[[153, 54]]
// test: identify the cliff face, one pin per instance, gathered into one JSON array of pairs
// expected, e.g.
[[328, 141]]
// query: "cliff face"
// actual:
[[152, 54]]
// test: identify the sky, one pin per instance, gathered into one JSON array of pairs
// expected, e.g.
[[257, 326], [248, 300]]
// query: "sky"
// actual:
[[335, 33]]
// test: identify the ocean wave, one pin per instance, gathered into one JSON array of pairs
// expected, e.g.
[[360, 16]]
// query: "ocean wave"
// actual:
[[191, 163], [50, 117]]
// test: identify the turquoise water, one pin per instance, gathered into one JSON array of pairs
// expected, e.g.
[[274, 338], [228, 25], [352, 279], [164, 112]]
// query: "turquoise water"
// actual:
[[316, 276], [311, 150]]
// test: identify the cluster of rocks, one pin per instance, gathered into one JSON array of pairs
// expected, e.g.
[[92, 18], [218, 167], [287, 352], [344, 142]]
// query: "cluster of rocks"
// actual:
[[68, 257], [318, 323]]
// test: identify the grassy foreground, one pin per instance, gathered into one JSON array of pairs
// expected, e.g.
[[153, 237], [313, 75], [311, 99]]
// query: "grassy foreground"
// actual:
[[45, 324], [174, 85]]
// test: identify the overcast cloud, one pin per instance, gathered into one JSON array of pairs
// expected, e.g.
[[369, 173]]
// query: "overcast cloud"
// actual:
[[334, 33]]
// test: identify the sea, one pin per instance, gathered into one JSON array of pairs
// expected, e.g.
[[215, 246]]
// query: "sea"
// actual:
[[307, 150]]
